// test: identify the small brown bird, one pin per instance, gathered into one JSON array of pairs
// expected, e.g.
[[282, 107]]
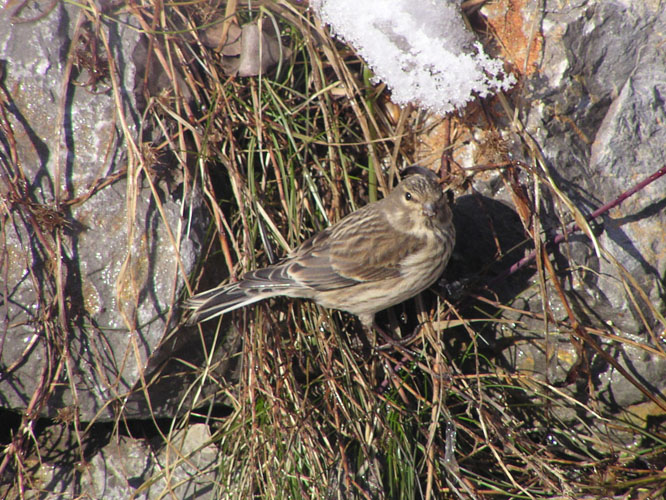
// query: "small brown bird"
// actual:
[[372, 259]]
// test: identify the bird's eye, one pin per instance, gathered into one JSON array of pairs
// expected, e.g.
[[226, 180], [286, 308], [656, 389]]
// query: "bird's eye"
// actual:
[[408, 196]]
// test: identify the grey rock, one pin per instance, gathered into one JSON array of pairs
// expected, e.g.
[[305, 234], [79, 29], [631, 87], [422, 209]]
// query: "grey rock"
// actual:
[[118, 266], [186, 466], [596, 110], [605, 73]]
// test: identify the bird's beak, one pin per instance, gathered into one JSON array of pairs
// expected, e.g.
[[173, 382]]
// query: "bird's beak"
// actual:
[[429, 209]]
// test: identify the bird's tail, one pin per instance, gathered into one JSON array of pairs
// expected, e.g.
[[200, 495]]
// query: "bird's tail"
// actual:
[[220, 300], [254, 286]]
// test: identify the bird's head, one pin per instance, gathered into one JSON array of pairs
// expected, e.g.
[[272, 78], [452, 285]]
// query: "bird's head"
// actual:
[[419, 201]]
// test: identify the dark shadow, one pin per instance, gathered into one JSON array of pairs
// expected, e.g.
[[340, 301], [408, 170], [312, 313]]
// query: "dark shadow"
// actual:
[[490, 239], [170, 372]]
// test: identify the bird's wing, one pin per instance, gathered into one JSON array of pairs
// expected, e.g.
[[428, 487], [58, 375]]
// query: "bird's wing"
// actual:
[[364, 247]]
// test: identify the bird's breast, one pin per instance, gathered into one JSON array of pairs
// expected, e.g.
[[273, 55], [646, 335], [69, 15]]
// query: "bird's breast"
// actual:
[[420, 269]]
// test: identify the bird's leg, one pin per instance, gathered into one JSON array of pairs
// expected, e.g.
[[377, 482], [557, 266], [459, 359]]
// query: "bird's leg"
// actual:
[[388, 340], [395, 343], [394, 366]]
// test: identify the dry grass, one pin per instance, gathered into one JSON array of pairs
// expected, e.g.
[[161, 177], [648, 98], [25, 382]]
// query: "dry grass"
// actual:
[[316, 411]]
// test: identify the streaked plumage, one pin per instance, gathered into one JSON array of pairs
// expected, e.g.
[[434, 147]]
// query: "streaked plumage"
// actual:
[[374, 258]]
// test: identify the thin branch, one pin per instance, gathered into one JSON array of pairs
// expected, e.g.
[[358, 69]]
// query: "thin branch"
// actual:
[[575, 227]]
